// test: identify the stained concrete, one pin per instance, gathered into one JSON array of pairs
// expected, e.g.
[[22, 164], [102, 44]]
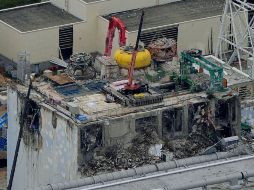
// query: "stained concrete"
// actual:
[[62, 137], [37, 17], [171, 13]]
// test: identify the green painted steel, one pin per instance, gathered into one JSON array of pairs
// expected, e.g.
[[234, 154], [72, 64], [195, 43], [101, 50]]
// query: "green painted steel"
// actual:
[[215, 71]]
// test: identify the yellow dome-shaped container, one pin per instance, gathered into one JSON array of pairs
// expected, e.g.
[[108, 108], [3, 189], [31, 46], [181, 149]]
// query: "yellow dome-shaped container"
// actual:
[[123, 58]]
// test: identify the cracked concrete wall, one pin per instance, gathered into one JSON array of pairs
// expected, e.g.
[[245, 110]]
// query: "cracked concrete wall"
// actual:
[[55, 162]]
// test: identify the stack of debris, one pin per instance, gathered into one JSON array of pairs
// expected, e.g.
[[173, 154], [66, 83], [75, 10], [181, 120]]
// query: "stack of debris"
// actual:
[[81, 66], [117, 157], [200, 80], [203, 135], [163, 49]]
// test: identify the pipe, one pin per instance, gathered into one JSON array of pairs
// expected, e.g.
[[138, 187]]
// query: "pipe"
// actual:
[[240, 72], [140, 171], [204, 182], [211, 181], [216, 59]]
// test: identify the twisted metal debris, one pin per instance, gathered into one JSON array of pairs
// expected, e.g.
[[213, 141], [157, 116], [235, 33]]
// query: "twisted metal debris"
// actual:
[[163, 49]]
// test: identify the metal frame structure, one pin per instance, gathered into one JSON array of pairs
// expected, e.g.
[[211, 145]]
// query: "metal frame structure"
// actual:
[[236, 33], [216, 72]]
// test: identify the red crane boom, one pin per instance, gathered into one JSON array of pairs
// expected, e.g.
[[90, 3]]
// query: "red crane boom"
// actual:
[[130, 86], [114, 23]]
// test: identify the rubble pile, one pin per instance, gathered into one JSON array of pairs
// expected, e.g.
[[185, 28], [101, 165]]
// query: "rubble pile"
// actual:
[[81, 66], [117, 157], [203, 135], [200, 79], [163, 49], [3, 81], [194, 145]]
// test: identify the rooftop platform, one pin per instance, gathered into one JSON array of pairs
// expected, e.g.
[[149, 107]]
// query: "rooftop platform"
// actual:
[[171, 13], [36, 17]]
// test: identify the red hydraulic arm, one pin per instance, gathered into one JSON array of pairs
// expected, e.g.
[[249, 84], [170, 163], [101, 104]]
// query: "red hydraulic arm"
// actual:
[[113, 24]]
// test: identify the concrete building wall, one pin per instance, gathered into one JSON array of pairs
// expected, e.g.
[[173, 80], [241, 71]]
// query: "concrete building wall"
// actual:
[[111, 6], [61, 147], [102, 33], [93, 34], [54, 161], [41, 44], [198, 34], [75, 7], [80, 38], [193, 34], [104, 6], [11, 42]]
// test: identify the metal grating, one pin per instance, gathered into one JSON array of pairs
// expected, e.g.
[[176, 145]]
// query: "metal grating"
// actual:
[[66, 37], [151, 35]]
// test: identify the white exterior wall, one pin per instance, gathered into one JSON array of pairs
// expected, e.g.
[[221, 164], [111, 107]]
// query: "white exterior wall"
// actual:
[[111, 6], [11, 42], [102, 34], [195, 34], [55, 162], [79, 8], [91, 40], [75, 7], [41, 44]]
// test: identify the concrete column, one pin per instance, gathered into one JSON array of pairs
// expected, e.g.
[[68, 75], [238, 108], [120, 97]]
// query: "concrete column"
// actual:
[[106, 134], [159, 126], [237, 127], [212, 110], [185, 117], [132, 124]]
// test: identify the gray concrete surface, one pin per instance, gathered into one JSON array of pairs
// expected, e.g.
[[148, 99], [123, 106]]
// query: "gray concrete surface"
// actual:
[[181, 179], [37, 17], [171, 13], [90, 1]]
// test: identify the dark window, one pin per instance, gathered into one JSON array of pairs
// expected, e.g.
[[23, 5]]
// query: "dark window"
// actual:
[[178, 120], [66, 42]]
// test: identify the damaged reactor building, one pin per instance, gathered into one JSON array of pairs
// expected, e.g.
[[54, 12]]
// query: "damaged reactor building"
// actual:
[[153, 111]]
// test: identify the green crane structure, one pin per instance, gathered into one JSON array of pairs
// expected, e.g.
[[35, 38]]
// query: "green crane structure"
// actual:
[[189, 58]]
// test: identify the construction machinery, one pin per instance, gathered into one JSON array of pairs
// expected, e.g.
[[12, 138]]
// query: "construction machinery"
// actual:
[[114, 23], [192, 59], [132, 87], [125, 91], [123, 57], [124, 54]]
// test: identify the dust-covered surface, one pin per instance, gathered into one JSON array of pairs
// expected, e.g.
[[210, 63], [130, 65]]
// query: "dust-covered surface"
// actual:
[[3, 178], [37, 17], [171, 13]]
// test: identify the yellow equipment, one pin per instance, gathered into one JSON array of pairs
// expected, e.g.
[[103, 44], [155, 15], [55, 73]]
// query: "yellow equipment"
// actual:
[[123, 58], [139, 96]]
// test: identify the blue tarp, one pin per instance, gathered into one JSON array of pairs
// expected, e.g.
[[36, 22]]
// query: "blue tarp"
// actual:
[[3, 120], [3, 144], [3, 139]]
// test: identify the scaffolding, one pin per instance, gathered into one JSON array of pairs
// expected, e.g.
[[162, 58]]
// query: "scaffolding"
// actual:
[[235, 43]]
